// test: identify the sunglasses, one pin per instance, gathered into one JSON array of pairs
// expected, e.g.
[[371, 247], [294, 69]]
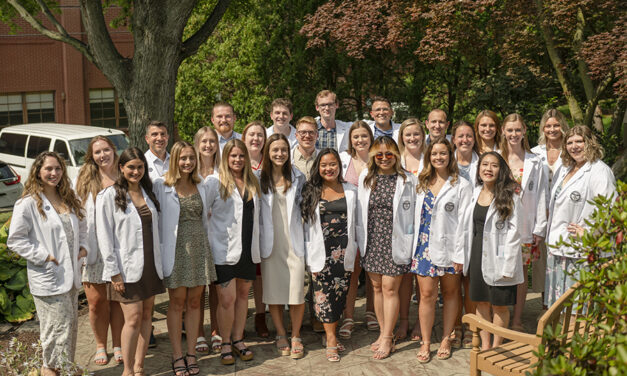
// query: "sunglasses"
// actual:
[[386, 155]]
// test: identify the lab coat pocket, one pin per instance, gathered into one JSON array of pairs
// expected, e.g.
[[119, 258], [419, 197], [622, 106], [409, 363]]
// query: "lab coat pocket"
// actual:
[[500, 266], [45, 275]]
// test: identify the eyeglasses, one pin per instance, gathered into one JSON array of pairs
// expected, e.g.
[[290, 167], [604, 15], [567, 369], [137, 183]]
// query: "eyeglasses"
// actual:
[[306, 133], [386, 155], [325, 105]]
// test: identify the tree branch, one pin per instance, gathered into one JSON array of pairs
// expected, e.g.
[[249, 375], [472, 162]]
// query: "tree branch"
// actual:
[[61, 35], [592, 103], [193, 43]]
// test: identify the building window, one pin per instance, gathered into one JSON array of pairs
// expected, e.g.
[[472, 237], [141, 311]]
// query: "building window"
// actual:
[[106, 109], [23, 108]]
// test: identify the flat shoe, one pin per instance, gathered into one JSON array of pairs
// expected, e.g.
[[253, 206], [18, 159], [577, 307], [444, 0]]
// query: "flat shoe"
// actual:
[[298, 351], [117, 355], [371, 321], [347, 328], [216, 343], [333, 356], [101, 358], [201, 345]]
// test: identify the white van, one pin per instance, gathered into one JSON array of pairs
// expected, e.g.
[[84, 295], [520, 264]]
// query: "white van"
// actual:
[[20, 144]]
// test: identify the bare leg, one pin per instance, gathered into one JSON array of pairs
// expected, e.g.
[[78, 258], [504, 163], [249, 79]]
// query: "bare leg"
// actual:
[[389, 291], [449, 284], [116, 320], [192, 319], [369, 294], [226, 308], [130, 333], [501, 318], [99, 312], [213, 310], [521, 297], [297, 311], [426, 309], [351, 297], [407, 285], [201, 320], [174, 319], [377, 294], [276, 312], [240, 309], [144, 333], [483, 311]]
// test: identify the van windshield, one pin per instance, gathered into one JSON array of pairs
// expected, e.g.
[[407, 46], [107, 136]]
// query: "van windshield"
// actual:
[[79, 147]]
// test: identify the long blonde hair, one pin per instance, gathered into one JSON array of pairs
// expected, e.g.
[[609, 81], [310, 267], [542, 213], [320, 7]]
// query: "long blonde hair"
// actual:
[[34, 186], [512, 118], [173, 175], [492, 115], [197, 137], [373, 169], [428, 171], [552, 114], [89, 180], [227, 182]]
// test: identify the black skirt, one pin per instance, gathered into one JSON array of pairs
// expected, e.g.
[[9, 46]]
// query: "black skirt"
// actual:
[[480, 291]]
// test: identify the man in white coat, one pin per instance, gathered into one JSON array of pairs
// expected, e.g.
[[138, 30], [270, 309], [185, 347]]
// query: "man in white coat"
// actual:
[[437, 125], [382, 125], [223, 120], [332, 133], [281, 115], [157, 156]]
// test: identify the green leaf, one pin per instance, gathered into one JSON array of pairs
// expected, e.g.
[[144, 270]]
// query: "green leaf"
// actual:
[[4, 299], [18, 314], [8, 270], [18, 282]]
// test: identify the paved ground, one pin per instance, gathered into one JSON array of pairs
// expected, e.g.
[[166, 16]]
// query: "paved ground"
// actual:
[[356, 361]]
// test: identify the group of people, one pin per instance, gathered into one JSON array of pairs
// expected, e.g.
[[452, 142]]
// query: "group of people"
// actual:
[[467, 213]]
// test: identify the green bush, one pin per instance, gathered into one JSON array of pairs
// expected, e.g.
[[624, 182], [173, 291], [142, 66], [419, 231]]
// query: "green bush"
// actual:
[[16, 302], [604, 286]]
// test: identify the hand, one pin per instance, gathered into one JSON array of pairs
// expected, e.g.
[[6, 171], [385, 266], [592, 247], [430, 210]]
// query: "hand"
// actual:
[[458, 267], [314, 274], [537, 240], [82, 252], [575, 229], [51, 258], [118, 283]]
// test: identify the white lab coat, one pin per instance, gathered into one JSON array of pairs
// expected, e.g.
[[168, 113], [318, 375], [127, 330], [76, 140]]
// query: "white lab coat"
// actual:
[[35, 238], [421, 165], [341, 133], [403, 230], [155, 167], [315, 253], [169, 223], [572, 204], [294, 218], [291, 138], [93, 256], [395, 128], [535, 182], [501, 264], [448, 207], [120, 237], [472, 173], [225, 224], [345, 159]]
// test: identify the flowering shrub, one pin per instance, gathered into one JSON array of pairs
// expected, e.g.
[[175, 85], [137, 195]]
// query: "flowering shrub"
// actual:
[[19, 359]]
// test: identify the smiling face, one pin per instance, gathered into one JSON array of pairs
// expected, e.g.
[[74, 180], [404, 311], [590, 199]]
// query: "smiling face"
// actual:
[[279, 151], [413, 139], [464, 139], [281, 116], [51, 172], [306, 135], [133, 171], [253, 139], [439, 157], [329, 168], [489, 169], [575, 146], [187, 161], [385, 159], [552, 130], [381, 113], [103, 154], [208, 145], [236, 160], [513, 132], [360, 140], [486, 128], [327, 106], [223, 120], [157, 139], [436, 123]]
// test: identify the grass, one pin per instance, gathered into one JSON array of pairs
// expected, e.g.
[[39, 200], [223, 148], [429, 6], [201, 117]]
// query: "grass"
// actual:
[[5, 216]]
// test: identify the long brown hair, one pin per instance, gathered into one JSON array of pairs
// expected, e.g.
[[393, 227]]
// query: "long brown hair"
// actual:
[[121, 185], [34, 186], [592, 150], [428, 172], [505, 187], [173, 175], [227, 183], [492, 115], [359, 124], [504, 146], [457, 126], [373, 169], [267, 183], [89, 180]]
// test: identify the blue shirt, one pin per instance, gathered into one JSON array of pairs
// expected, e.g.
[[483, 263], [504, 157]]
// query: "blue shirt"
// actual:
[[326, 138]]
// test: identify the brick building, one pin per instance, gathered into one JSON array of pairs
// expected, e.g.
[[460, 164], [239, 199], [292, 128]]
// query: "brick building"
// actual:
[[42, 80]]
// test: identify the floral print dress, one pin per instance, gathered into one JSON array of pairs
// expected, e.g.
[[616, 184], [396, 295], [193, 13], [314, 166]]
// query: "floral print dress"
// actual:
[[330, 285], [421, 262]]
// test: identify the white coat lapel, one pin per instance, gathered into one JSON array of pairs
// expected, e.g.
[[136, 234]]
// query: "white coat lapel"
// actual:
[[445, 188], [400, 186], [528, 169], [578, 175]]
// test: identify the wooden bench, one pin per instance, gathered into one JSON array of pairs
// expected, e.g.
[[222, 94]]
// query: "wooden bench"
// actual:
[[516, 357]]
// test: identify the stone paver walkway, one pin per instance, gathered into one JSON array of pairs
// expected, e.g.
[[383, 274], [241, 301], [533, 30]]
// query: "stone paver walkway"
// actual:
[[356, 361]]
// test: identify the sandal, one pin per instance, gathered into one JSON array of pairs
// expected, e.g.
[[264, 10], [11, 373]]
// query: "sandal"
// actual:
[[117, 355], [380, 354], [216, 343], [284, 350], [333, 354], [201, 345], [467, 340], [178, 370], [139, 371], [371, 321], [226, 358], [424, 356], [191, 367], [445, 353], [298, 351], [347, 328], [456, 338], [101, 358], [340, 347], [244, 353]]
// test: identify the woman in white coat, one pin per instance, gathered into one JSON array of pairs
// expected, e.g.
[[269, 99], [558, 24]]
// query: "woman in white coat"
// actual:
[[442, 196], [385, 234], [488, 244], [127, 228], [233, 200], [354, 161], [187, 259], [48, 230], [583, 177], [207, 148], [488, 130], [329, 209], [463, 138], [99, 172], [282, 242], [528, 171]]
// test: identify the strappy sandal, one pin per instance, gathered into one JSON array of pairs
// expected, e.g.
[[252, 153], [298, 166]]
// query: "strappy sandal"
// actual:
[[178, 370], [192, 367], [445, 353], [424, 356], [244, 353], [456, 338], [298, 351], [380, 354], [333, 354], [346, 329], [117, 355], [101, 358], [467, 339], [371, 321], [284, 350], [227, 358], [216, 343], [201, 345], [340, 347]]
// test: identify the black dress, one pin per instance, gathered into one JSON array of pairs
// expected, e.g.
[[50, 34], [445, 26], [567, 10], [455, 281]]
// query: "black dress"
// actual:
[[479, 290], [244, 268]]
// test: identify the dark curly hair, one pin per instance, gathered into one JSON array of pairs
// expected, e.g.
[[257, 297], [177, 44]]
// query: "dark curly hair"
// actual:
[[121, 185]]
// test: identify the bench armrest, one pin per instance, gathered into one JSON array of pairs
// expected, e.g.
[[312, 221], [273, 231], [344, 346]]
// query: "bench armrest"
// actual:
[[476, 323]]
